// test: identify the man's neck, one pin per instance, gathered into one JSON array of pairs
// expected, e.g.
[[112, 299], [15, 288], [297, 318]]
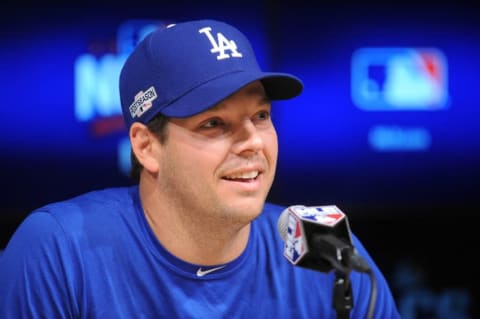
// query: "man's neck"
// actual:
[[192, 238]]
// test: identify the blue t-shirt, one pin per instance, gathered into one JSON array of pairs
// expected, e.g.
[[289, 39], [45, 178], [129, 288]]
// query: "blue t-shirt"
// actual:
[[95, 256]]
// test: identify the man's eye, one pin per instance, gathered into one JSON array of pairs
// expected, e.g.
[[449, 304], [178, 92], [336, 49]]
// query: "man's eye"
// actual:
[[263, 115], [212, 123]]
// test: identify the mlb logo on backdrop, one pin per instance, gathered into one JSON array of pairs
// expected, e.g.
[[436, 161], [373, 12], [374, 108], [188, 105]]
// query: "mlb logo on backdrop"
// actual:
[[397, 79]]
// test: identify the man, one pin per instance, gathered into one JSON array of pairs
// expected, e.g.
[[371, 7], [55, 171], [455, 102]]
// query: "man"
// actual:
[[194, 238]]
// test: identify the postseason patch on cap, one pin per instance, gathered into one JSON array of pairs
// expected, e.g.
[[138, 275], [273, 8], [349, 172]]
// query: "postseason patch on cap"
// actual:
[[142, 102]]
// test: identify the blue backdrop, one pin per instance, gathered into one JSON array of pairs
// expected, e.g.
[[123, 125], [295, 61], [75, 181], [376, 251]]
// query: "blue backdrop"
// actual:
[[387, 127]]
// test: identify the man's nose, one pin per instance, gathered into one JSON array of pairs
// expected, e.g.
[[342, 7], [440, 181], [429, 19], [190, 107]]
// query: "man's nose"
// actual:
[[247, 138]]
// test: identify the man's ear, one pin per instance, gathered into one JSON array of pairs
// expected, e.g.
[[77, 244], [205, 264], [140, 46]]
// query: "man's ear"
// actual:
[[144, 144]]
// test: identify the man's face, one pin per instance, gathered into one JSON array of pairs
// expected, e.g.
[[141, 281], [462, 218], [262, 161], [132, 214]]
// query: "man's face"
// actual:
[[221, 163]]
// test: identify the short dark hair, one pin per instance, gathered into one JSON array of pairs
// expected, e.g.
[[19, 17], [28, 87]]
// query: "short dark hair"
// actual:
[[157, 125]]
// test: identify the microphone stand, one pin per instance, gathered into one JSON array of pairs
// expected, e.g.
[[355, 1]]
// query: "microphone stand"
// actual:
[[342, 294], [338, 255]]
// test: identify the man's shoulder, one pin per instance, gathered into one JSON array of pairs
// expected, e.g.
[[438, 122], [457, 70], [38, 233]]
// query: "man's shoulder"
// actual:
[[272, 210], [100, 197], [100, 203], [269, 206], [269, 216]]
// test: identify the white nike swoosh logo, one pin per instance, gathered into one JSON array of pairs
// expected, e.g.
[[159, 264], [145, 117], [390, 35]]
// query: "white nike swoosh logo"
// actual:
[[201, 273]]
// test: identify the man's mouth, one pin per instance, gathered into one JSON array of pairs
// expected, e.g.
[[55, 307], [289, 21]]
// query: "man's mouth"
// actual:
[[243, 177]]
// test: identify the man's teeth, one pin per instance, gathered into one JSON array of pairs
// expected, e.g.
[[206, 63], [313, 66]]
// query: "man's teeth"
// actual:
[[246, 175]]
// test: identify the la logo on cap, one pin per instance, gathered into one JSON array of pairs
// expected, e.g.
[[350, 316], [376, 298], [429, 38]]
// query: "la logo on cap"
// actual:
[[221, 45]]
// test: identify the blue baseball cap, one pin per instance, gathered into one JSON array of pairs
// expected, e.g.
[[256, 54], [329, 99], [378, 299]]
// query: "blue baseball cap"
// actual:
[[188, 67]]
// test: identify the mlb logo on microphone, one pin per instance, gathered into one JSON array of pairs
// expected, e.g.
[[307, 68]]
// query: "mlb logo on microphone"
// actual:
[[295, 245], [399, 79], [327, 215]]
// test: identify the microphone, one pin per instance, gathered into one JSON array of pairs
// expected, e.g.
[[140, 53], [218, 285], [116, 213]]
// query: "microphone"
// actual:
[[319, 238]]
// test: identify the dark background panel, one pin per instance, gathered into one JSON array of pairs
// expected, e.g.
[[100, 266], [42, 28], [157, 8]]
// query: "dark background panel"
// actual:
[[414, 210]]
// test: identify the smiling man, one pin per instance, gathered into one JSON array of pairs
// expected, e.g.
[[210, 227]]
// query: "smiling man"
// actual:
[[193, 237], [210, 176]]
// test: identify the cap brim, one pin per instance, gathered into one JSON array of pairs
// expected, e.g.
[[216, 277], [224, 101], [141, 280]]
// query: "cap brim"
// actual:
[[278, 86]]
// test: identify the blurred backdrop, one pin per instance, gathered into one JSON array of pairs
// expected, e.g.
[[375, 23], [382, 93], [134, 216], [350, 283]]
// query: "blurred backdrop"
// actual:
[[387, 127]]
